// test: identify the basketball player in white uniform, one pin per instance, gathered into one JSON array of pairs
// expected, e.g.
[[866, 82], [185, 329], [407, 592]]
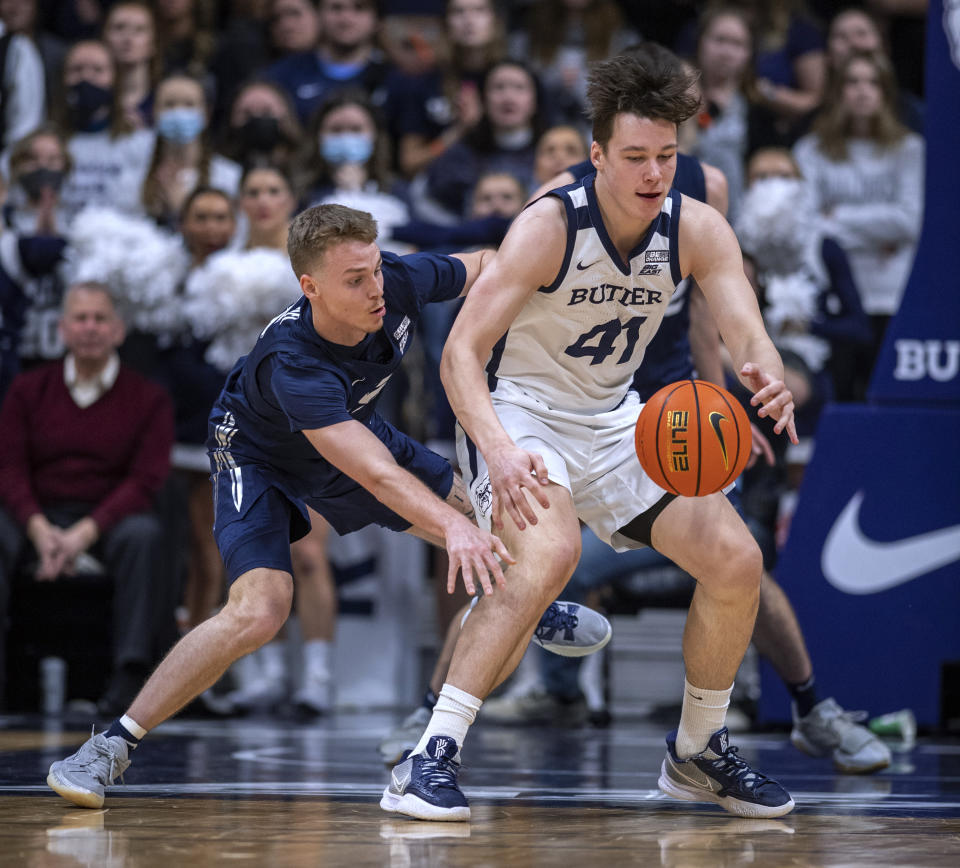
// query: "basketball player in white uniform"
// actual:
[[537, 368]]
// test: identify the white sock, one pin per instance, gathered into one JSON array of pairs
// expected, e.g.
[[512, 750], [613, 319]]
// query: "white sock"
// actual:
[[131, 726], [452, 715], [703, 714], [274, 660], [316, 657]]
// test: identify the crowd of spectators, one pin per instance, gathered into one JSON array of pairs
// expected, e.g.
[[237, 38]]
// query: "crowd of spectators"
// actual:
[[153, 154]]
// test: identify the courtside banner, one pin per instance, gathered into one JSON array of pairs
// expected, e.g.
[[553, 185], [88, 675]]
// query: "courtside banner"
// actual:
[[872, 562], [920, 360]]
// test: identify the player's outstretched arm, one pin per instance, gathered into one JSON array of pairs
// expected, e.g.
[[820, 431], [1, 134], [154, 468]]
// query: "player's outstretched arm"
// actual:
[[710, 252], [474, 262], [353, 449], [530, 257]]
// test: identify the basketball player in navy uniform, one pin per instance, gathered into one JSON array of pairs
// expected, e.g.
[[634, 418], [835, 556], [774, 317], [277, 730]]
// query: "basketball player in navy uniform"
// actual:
[[538, 369], [296, 426]]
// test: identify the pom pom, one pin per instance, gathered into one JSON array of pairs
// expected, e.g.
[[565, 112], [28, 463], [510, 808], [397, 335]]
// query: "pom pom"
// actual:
[[778, 225], [233, 295], [143, 265]]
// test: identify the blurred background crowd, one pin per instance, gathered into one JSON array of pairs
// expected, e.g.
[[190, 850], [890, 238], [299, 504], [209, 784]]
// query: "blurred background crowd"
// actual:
[[153, 153]]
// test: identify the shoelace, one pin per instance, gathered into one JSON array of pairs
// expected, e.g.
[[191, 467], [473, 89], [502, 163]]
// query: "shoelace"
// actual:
[[730, 763], [554, 620], [440, 772], [101, 752]]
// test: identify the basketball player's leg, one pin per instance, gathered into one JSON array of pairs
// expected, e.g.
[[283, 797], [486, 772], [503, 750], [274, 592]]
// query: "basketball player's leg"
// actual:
[[491, 641], [257, 607], [700, 765], [727, 565], [255, 544], [821, 727], [777, 634]]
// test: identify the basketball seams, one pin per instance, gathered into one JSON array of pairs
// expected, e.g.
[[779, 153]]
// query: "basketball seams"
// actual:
[[663, 405], [696, 407], [736, 422]]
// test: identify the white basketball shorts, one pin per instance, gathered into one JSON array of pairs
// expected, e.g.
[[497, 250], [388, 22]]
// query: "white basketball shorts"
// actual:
[[593, 457]]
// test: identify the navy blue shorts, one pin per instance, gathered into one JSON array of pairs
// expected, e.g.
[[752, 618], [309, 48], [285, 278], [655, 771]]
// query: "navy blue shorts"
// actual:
[[257, 515]]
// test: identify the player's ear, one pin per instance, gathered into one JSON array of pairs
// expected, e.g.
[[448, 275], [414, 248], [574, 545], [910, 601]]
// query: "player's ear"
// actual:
[[308, 285], [596, 152]]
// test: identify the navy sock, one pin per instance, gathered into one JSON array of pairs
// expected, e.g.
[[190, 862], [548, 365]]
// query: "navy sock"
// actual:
[[429, 699], [117, 728], [805, 695]]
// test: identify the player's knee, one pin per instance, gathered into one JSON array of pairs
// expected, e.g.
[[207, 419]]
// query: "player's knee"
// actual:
[[256, 619], [558, 564], [743, 568]]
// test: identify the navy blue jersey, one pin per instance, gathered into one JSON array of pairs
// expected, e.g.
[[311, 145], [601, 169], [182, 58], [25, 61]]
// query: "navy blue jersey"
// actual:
[[667, 358], [293, 380]]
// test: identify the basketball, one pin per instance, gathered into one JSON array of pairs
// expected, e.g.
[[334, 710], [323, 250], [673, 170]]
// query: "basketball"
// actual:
[[693, 438]]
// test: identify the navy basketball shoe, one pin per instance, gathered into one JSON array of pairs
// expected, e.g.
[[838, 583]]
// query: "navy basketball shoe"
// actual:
[[718, 775], [424, 785], [571, 630]]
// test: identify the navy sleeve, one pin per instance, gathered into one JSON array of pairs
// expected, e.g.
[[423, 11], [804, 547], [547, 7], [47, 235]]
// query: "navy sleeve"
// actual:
[[309, 393], [483, 231], [846, 321], [420, 278]]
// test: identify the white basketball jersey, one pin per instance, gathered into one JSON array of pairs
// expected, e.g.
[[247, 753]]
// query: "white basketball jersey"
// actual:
[[577, 342]]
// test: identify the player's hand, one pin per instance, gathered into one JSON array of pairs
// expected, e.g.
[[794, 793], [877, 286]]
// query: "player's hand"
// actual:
[[760, 446], [773, 399], [474, 552], [512, 470]]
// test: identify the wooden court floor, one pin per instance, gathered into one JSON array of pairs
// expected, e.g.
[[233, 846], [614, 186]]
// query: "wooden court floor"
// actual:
[[264, 792]]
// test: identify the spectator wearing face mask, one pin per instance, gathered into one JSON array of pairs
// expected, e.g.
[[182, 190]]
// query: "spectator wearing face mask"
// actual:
[[110, 157], [183, 158], [349, 163], [31, 246], [262, 128]]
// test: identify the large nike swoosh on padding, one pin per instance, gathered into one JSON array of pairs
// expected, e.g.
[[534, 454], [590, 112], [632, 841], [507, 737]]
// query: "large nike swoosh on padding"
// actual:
[[856, 564]]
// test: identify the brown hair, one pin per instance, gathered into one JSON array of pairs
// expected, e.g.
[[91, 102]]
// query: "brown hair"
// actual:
[[321, 227], [649, 81], [833, 125], [203, 190], [151, 193], [547, 24], [119, 124], [20, 152], [709, 17]]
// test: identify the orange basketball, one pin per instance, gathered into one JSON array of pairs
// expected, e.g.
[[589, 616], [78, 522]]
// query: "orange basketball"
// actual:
[[693, 438]]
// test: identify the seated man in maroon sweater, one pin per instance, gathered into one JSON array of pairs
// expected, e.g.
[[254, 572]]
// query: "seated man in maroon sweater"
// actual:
[[86, 448]]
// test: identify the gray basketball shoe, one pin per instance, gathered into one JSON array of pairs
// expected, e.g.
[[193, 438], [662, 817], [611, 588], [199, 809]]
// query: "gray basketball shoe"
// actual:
[[80, 778], [828, 730], [571, 630]]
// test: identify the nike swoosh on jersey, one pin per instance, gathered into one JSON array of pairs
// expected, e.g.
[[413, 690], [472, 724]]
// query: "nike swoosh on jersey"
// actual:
[[582, 267], [856, 564]]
